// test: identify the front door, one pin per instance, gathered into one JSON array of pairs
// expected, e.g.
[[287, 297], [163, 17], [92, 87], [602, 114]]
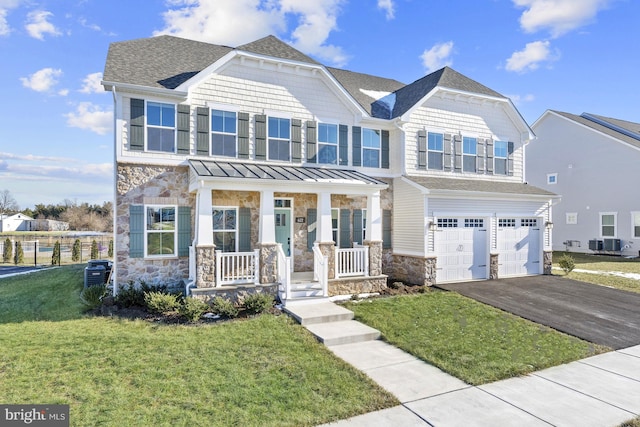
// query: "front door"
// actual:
[[284, 227]]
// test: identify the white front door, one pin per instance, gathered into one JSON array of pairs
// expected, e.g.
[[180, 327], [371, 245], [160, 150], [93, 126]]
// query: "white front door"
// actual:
[[518, 247], [461, 248]]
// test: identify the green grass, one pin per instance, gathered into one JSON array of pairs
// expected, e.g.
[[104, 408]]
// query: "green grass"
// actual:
[[257, 372], [603, 264], [467, 339]]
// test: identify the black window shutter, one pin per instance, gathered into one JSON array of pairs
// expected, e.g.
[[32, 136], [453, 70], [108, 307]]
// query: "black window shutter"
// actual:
[[184, 230], [136, 231], [136, 125], [457, 148], [296, 140], [510, 149], [447, 152], [183, 128], [480, 156], [490, 156], [244, 230], [345, 228], [343, 142], [261, 136], [202, 127], [386, 229], [312, 215], [243, 135], [356, 141], [385, 149], [357, 226], [422, 149], [312, 140]]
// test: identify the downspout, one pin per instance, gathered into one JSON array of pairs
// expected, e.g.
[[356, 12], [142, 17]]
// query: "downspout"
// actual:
[[114, 271]]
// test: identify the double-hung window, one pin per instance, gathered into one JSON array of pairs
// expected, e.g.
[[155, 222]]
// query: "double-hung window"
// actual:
[[469, 154], [161, 127], [327, 144], [435, 147], [371, 148], [279, 139], [500, 155], [225, 228], [608, 224], [223, 133], [160, 226]]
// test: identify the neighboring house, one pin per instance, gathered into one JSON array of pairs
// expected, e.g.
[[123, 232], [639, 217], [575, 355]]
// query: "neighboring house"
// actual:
[[594, 167], [259, 164], [17, 222], [49, 225]]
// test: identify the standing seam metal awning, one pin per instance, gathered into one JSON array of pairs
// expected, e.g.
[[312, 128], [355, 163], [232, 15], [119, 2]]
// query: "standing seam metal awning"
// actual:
[[221, 169]]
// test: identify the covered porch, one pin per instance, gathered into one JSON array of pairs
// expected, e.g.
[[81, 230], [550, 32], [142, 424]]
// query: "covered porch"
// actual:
[[267, 228]]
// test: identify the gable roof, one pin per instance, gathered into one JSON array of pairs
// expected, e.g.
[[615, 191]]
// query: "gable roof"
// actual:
[[622, 130], [437, 184], [276, 48]]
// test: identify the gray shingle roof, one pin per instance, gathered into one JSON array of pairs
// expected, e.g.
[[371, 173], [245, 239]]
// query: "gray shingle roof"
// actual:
[[480, 186], [274, 47], [625, 131]]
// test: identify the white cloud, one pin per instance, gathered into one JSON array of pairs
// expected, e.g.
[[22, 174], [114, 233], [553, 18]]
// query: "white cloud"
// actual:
[[38, 24], [5, 6], [43, 80], [235, 22], [438, 56], [558, 16], [91, 83], [530, 57], [388, 7], [91, 117], [521, 99]]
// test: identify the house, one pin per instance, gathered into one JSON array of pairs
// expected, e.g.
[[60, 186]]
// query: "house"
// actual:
[[256, 168], [593, 168], [17, 222], [41, 224]]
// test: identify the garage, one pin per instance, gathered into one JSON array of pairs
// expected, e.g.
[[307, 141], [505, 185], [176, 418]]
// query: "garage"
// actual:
[[518, 242], [461, 247]]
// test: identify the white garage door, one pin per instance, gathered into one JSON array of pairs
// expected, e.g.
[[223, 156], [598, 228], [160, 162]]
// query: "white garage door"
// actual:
[[461, 248], [518, 247]]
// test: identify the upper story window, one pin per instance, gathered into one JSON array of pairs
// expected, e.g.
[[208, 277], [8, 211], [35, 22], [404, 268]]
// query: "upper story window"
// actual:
[[435, 146], [160, 227], [161, 127], [469, 154], [500, 156], [279, 140], [223, 133], [552, 178], [371, 148], [327, 144]]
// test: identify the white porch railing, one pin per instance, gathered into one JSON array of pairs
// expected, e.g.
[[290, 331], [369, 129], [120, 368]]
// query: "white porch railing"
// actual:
[[321, 269], [352, 261], [284, 272], [234, 268]]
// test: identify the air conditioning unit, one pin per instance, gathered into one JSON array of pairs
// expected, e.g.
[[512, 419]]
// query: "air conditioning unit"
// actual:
[[596, 245], [612, 245]]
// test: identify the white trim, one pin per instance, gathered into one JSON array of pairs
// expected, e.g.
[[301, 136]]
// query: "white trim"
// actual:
[[236, 230], [615, 225], [571, 218], [633, 217], [224, 107], [555, 178], [174, 231]]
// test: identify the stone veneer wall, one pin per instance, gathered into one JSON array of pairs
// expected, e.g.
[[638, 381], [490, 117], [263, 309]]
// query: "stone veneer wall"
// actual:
[[235, 294], [414, 270], [494, 266], [353, 285], [547, 257], [142, 185]]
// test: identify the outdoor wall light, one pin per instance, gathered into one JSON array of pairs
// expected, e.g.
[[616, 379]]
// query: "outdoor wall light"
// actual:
[[549, 225]]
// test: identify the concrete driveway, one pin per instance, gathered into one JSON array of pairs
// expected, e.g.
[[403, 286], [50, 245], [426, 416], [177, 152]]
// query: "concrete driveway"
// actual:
[[597, 314]]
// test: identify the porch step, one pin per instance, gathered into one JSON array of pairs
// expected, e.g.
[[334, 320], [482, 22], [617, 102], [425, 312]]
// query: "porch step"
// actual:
[[318, 312], [344, 332]]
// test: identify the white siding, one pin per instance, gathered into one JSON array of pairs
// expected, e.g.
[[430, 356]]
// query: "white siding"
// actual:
[[409, 226]]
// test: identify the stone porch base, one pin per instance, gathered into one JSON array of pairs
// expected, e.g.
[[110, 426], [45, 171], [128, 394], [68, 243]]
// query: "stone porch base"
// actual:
[[357, 285], [235, 294]]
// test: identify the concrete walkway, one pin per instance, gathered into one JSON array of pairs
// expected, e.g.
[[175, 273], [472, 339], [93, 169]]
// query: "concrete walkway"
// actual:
[[599, 391]]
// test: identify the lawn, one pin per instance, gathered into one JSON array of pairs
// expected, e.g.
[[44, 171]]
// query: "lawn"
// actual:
[[602, 264], [470, 340], [263, 371]]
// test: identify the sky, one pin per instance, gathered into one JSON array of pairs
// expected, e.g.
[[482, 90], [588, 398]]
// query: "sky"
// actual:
[[56, 121]]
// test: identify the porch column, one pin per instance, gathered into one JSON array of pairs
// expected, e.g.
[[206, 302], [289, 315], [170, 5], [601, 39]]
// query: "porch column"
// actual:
[[324, 234], [205, 248], [374, 233], [267, 238]]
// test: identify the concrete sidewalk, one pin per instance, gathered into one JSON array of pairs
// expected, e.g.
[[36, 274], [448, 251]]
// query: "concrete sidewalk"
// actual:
[[599, 391]]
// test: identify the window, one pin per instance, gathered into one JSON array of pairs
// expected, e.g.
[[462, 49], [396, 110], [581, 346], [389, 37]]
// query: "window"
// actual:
[[608, 224], [223, 133], [279, 139], [435, 146], [571, 218], [635, 223], [529, 222], [225, 228], [160, 226], [161, 127], [506, 222], [447, 222], [552, 178], [364, 225], [473, 223], [469, 153], [327, 144], [500, 154], [335, 226], [370, 148]]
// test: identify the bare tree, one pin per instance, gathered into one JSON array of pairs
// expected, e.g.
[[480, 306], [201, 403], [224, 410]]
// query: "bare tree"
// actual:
[[7, 203]]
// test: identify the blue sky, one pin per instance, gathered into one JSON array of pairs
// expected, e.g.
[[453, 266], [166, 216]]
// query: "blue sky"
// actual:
[[56, 139]]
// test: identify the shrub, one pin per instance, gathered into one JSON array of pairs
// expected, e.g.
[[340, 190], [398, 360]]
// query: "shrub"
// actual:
[[192, 309], [224, 307], [161, 303], [76, 252], [55, 256], [258, 303], [18, 258], [567, 263], [7, 250], [91, 297], [94, 250]]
